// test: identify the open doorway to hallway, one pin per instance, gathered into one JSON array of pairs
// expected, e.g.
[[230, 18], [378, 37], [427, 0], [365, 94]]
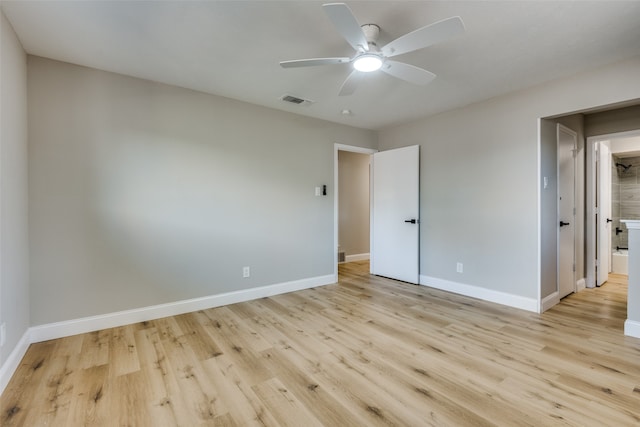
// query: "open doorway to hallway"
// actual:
[[352, 208]]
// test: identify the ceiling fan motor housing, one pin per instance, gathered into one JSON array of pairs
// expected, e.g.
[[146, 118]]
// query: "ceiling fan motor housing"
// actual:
[[371, 33]]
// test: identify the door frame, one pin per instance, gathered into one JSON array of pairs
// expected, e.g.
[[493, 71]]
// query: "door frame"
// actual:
[[561, 128], [603, 242], [590, 222], [354, 149]]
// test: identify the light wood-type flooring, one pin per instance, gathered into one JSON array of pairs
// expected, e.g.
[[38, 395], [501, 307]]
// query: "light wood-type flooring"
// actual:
[[367, 351]]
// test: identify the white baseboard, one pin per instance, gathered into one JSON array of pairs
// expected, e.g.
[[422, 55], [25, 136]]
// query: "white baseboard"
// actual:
[[529, 304], [95, 323], [581, 284], [13, 361], [356, 257], [590, 281], [632, 328], [549, 301]]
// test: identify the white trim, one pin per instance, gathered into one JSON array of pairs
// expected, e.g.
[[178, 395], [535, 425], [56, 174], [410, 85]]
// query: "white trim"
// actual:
[[126, 317], [539, 195], [356, 257], [632, 328], [529, 304], [354, 149], [553, 299], [632, 224], [549, 301], [10, 365], [590, 215]]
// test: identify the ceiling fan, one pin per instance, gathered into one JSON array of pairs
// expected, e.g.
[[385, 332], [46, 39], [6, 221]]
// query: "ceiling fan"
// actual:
[[370, 58]]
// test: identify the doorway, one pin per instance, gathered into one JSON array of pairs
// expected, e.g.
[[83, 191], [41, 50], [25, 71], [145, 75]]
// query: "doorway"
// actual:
[[393, 211], [606, 234], [352, 211]]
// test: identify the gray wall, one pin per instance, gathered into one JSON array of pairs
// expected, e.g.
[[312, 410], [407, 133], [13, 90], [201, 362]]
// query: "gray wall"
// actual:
[[353, 202], [143, 193], [612, 121], [14, 251], [486, 212]]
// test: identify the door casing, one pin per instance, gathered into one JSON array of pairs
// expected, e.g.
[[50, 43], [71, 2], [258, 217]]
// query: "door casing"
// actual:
[[603, 228]]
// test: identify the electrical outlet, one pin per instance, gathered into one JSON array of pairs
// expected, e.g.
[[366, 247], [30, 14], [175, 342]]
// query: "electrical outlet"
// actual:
[[246, 272], [459, 267], [3, 334]]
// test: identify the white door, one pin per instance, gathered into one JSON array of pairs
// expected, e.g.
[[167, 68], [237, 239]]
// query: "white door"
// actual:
[[395, 216], [567, 140], [603, 218]]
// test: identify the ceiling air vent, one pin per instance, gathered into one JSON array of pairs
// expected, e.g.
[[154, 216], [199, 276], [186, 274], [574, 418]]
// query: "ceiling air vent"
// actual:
[[295, 100]]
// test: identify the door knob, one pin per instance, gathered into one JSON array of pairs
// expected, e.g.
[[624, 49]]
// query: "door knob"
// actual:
[[412, 221], [562, 224], [609, 220]]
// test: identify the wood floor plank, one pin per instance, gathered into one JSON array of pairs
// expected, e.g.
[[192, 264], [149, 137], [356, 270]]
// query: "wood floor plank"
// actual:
[[132, 403], [123, 356], [367, 351], [159, 379], [284, 405], [320, 398], [57, 388], [234, 346], [244, 406], [195, 397], [95, 348], [92, 404]]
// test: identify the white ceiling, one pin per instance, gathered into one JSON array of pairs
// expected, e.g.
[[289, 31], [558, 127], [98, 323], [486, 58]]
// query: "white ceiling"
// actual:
[[232, 48]]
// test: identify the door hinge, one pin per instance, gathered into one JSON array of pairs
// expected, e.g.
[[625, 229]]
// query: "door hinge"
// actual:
[[597, 211], [574, 268], [597, 263], [574, 211]]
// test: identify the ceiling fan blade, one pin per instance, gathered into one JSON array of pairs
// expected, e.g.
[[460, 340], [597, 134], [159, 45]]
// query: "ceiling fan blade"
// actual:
[[425, 36], [347, 25], [350, 84], [313, 62], [409, 73]]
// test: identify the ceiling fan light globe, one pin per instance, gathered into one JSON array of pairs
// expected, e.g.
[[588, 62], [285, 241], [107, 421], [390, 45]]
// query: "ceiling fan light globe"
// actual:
[[367, 63]]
